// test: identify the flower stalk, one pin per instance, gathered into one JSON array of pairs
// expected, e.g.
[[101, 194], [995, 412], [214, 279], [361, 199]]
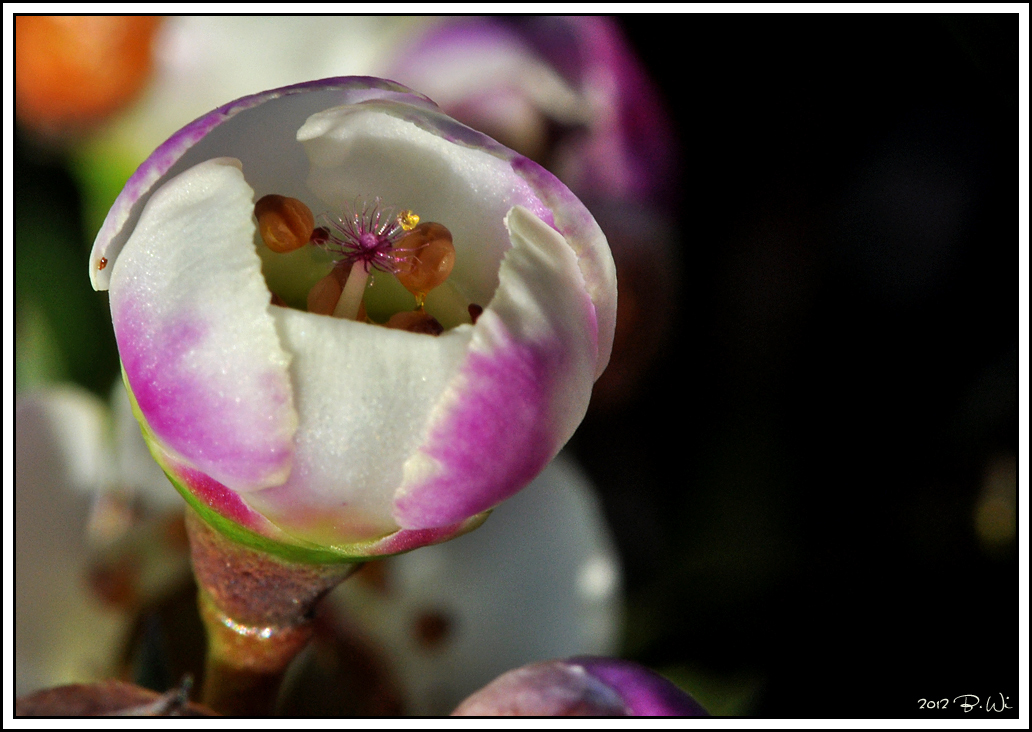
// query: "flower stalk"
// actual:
[[257, 611]]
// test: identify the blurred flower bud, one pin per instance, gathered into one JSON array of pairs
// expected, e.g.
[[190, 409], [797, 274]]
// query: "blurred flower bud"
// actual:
[[580, 687]]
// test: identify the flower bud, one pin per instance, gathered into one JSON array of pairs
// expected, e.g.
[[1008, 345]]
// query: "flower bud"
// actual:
[[326, 438], [580, 687]]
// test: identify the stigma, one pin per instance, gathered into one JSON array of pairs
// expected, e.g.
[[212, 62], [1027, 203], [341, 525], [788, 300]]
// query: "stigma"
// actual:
[[368, 237]]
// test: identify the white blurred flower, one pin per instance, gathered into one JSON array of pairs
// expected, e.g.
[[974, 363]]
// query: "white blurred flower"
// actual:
[[79, 468], [540, 580], [203, 61]]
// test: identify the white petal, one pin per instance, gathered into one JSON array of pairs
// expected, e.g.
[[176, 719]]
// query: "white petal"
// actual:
[[365, 150], [364, 394], [521, 392], [198, 345]]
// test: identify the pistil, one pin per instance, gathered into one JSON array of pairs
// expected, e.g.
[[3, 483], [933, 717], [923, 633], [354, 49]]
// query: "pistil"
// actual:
[[353, 292]]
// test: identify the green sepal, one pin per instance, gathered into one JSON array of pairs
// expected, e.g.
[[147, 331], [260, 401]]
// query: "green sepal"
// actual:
[[253, 540]]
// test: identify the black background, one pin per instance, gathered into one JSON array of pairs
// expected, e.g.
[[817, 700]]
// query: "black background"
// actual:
[[794, 492]]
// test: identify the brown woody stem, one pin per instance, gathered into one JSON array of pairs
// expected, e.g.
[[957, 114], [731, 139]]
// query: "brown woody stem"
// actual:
[[257, 610]]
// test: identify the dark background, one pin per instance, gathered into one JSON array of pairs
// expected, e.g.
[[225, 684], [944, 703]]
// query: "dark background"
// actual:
[[794, 489], [794, 492]]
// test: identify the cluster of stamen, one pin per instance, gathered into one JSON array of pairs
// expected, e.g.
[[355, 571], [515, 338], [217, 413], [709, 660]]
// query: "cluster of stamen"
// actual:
[[368, 237]]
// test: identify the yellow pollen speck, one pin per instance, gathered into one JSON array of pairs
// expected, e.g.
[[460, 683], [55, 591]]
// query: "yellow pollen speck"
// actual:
[[408, 220]]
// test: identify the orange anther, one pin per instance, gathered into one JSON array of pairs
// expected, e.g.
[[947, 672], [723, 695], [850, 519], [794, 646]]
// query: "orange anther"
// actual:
[[430, 261], [415, 321], [285, 224]]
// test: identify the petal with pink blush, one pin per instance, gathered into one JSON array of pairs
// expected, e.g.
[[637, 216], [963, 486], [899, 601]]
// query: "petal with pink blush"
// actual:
[[520, 393], [364, 394], [198, 345]]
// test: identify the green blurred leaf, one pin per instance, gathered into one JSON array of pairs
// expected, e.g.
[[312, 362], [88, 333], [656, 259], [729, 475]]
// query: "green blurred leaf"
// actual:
[[721, 695], [38, 359], [53, 297], [101, 168]]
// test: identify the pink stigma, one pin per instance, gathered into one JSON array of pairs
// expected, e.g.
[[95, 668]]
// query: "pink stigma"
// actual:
[[367, 236]]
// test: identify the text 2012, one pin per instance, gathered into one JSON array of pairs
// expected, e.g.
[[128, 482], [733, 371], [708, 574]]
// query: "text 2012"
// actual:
[[968, 702]]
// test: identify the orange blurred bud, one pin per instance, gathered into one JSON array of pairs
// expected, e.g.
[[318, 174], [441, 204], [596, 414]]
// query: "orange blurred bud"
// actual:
[[73, 71]]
